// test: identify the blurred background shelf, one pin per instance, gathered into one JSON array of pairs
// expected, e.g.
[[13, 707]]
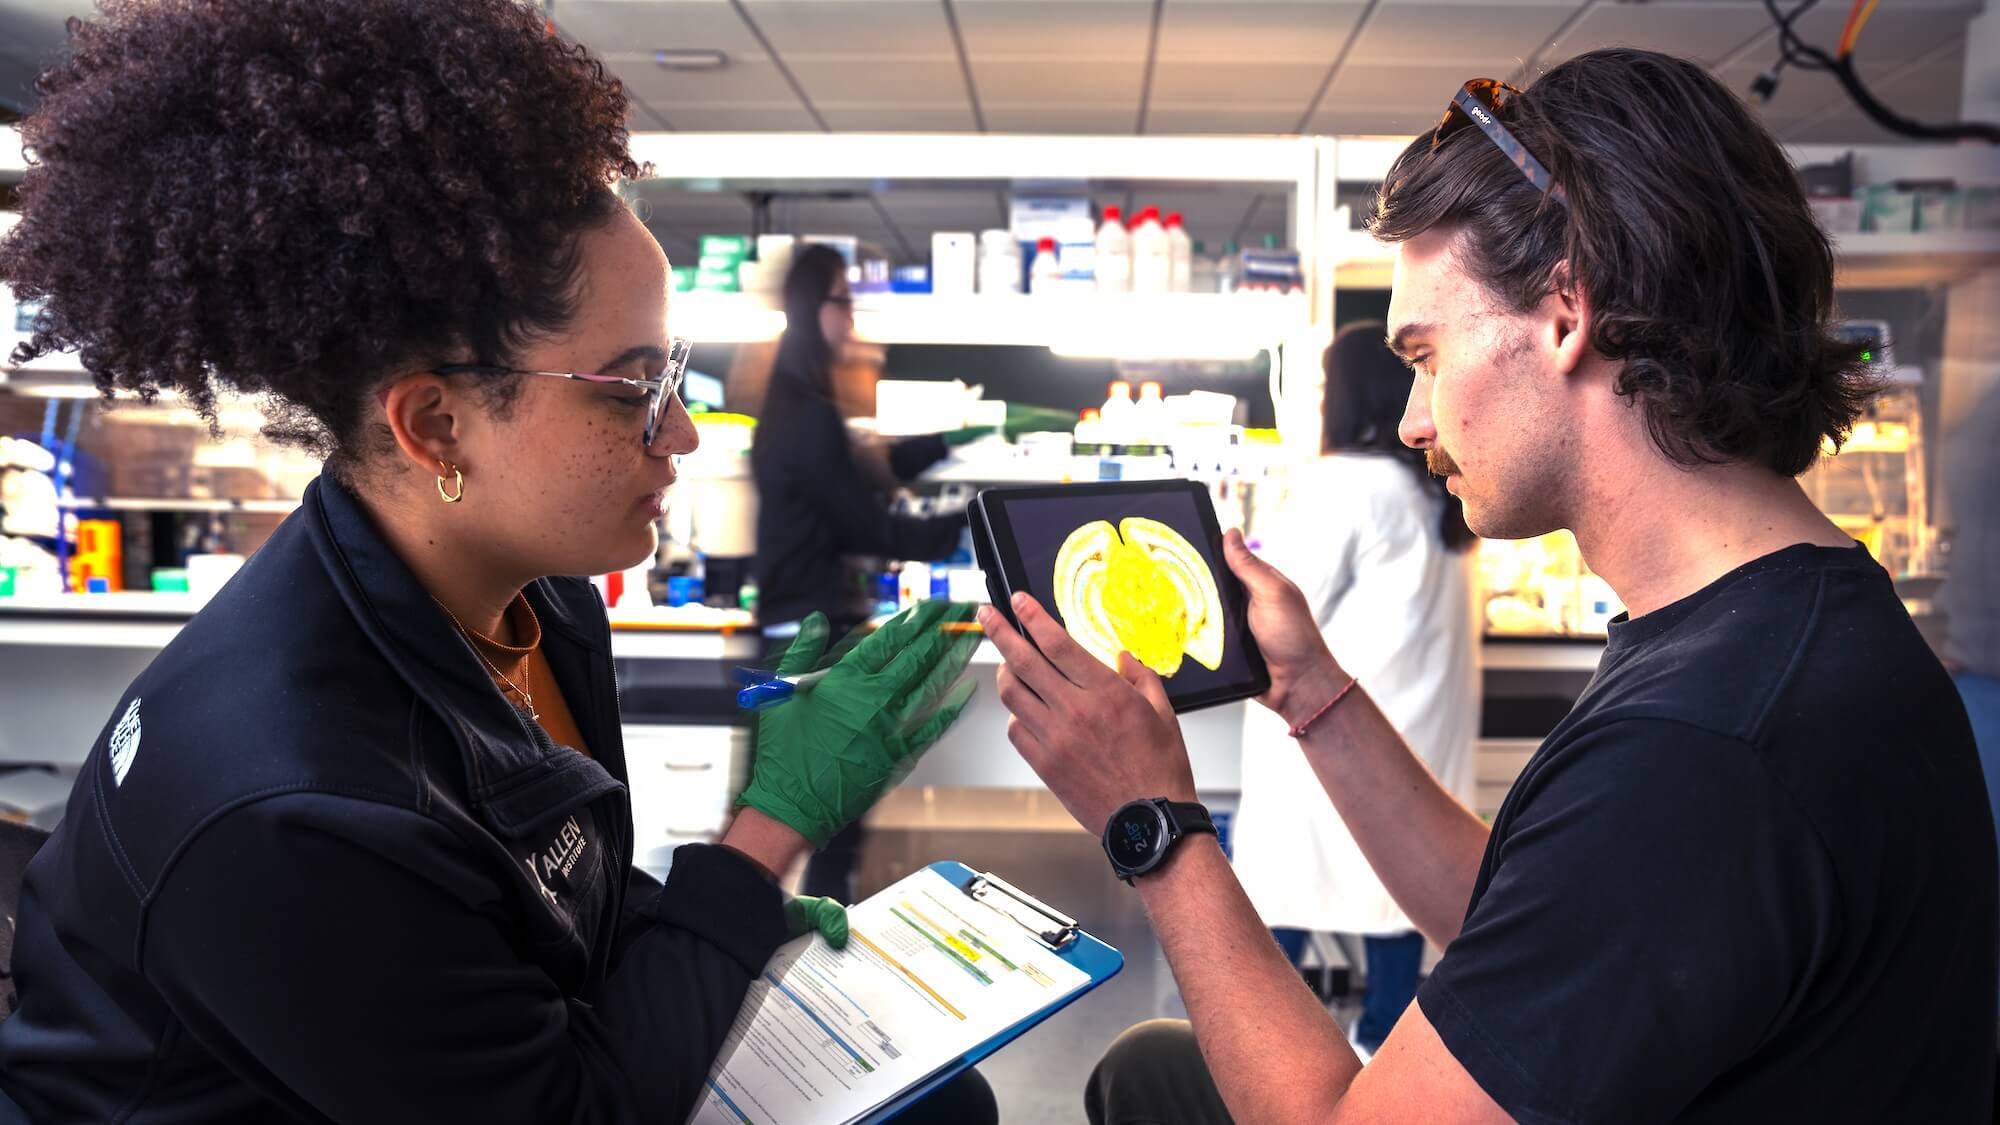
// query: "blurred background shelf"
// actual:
[[1862, 260]]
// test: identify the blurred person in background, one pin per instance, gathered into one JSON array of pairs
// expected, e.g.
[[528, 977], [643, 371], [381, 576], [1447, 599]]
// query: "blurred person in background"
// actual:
[[357, 846], [1383, 556], [817, 501]]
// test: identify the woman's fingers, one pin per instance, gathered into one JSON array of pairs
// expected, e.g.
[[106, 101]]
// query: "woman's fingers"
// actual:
[[805, 649], [913, 628]]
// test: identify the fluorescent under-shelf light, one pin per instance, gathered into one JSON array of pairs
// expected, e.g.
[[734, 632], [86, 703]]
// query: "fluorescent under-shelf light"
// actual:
[[53, 390], [724, 318], [691, 59]]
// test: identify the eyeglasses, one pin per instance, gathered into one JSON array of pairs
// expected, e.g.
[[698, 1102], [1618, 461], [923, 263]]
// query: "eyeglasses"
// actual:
[[658, 392], [1479, 102]]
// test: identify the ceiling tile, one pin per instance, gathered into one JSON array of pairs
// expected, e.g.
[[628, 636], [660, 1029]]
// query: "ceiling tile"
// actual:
[[1705, 32], [759, 117], [1499, 36], [1345, 119], [742, 80], [1256, 29], [1800, 94], [1186, 118], [1059, 117], [1239, 83], [855, 78], [896, 117], [1019, 80], [893, 27], [1066, 29], [1397, 84], [622, 25]]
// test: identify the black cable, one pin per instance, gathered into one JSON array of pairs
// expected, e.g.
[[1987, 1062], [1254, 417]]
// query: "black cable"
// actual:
[[1796, 52]]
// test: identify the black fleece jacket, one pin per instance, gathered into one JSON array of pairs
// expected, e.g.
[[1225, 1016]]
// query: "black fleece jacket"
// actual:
[[317, 868]]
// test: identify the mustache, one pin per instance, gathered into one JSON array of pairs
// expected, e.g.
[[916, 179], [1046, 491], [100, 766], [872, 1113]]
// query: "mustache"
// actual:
[[1439, 462]]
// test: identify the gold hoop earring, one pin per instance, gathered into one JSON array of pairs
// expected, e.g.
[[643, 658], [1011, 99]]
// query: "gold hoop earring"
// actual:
[[457, 482]]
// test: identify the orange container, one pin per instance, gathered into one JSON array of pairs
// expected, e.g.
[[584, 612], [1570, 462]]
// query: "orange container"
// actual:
[[100, 553]]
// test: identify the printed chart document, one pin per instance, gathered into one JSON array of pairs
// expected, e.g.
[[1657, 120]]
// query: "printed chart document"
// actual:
[[928, 974]]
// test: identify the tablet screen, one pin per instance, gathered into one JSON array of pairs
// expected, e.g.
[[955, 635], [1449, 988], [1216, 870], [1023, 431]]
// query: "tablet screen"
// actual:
[[1137, 569]]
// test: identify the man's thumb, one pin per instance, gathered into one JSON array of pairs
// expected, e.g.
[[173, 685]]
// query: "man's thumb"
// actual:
[[1253, 571]]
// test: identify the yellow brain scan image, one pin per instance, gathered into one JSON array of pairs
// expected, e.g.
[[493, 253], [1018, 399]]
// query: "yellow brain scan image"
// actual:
[[1139, 588]]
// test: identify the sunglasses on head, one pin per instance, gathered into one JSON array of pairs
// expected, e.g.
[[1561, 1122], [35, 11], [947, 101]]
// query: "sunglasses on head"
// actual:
[[1479, 102]]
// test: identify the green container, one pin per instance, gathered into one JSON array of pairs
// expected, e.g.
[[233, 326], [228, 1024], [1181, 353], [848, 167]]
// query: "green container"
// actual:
[[1888, 211], [684, 277], [725, 245], [170, 580], [6, 581], [718, 281]]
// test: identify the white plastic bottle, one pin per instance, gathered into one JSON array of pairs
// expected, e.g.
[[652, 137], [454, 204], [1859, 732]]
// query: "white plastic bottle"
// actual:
[[1115, 420], [1152, 258], [1114, 254], [1045, 275], [1180, 255], [1149, 416], [999, 262]]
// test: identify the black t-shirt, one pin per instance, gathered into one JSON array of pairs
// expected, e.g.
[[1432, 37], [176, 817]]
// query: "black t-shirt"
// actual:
[[1750, 877]]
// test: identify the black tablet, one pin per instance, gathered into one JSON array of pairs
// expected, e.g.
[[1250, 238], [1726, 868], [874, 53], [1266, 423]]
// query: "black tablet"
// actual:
[[1133, 565]]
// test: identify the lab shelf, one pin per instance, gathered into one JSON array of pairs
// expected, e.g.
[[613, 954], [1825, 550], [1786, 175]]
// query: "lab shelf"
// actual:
[[1868, 260]]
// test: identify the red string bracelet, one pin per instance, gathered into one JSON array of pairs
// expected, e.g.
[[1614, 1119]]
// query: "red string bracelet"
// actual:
[[1300, 730]]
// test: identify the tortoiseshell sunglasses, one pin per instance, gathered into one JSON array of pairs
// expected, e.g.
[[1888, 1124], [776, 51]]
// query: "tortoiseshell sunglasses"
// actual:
[[1478, 102]]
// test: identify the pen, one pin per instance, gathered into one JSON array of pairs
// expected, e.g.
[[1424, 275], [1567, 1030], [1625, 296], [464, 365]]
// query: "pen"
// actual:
[[768, 689], [763, 688]]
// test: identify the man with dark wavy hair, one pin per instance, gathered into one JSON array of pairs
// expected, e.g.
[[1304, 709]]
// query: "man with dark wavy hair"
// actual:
[[1751, 875]]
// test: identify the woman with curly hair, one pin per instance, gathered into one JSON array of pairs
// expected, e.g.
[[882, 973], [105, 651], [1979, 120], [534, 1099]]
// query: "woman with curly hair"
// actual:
[[357, 846]]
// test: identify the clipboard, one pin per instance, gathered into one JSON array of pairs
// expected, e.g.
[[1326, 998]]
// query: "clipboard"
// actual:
[[1053, 929]]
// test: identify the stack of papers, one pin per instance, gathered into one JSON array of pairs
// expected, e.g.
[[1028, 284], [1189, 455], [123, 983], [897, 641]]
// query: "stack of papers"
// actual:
[[825, 1037]]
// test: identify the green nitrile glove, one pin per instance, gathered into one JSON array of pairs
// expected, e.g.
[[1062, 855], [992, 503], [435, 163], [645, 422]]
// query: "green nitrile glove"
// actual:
[[1024, 418], [827, 755], [955, 438], [806, 913]]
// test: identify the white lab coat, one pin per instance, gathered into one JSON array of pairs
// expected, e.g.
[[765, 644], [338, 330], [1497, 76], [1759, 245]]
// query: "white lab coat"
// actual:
[[1358, 534]]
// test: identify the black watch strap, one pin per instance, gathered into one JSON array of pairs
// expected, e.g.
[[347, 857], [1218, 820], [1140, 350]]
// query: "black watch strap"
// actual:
[[1187, 817]]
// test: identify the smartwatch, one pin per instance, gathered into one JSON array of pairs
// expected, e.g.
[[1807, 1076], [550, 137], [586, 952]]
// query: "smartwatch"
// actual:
[[1141, 833]]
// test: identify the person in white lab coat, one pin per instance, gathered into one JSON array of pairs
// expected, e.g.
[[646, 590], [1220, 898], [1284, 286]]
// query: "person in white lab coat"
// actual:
[[1382, 553]]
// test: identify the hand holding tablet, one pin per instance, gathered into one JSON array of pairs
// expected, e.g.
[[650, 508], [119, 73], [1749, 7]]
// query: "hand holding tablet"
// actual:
[[1134, 567]]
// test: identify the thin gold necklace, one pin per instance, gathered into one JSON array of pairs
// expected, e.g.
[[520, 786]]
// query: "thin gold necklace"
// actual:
[[473, 639]]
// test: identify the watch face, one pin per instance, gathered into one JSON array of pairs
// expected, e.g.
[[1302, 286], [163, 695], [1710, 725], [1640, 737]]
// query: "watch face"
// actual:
[[1136, 835]]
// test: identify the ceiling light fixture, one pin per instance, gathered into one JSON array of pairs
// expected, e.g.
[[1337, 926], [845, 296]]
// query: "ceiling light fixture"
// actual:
[[702, 59]]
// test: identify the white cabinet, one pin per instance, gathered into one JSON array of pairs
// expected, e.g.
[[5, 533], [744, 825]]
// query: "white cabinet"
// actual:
[[683, 780]]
